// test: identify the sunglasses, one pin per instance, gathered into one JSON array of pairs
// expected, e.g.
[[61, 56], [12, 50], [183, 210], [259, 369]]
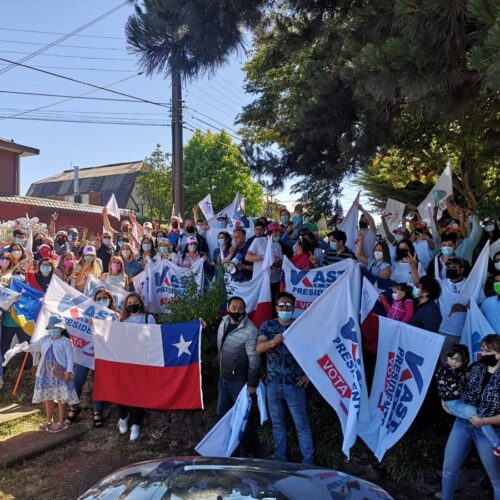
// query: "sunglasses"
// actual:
[[284, 305]]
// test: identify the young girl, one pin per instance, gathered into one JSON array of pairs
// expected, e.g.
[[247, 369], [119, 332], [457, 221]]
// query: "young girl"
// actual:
[[401, 308], [54, 374], [451, 378]]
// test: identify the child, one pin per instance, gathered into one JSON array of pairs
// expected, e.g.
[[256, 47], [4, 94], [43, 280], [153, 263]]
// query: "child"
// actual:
[[297, 220], [451, 377], [401, 308], [55, 371]]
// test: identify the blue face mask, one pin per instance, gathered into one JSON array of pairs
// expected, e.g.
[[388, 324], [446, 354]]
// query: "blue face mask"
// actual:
[[54, 332], [146, 246], [45, 270], [222, 242], [285, 219], [221, 223], [447, 251], [120, 243], [333, 245], [416, 293], [285, 315], [20, 241], [163, 250], [104, 302]]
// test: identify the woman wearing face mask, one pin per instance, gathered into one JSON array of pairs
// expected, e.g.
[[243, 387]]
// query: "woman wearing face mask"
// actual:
[[116, 275], [406, 268], [131, 265], [89, 264], [147, 251], [191, 253], [490, 232], [174, 233], [380, 264], [66, 267], [303, 255], [17, 252], [426, 313], [37, 241], [224, 245], [45, 251], [6, 266], [164, 250], [40, 278], [482, 390], [104, 299], [133, 311]]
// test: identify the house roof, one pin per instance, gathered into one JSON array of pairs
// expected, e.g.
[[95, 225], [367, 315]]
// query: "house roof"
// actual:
[[18, 148], [118, 179], [55, 204]]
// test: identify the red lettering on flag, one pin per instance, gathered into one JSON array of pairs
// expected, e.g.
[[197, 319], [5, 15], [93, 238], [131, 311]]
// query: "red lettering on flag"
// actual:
[[78, 342], [335, 377], [302, 305]]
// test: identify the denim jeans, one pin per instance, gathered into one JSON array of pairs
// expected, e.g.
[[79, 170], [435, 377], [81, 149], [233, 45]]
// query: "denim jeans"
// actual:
[[7, 334], [81, 373], [228, 392], [295, 398], [462, 410], [462, 436]]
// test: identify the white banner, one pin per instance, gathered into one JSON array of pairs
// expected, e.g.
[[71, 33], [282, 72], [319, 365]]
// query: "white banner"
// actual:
[[77, 310], [350, 225], [7, 297], [393, 214], [369, 297], [140, 283], [307, 286], [406, 359], [206, 207], [476, 327], [437, 196], [164, 281], [326, 342], [93, 284], [112, 207]]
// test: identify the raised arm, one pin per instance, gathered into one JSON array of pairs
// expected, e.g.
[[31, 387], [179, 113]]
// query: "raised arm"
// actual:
[[105, 221]]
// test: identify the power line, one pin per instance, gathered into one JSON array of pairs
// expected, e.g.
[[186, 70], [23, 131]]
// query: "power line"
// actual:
[[65, 37], [106, 70], [208, 103], [58, 33], [210, 118], [64, 45], [238, 103], [69, 56], [102, 122], [68, 111], [111, 99]]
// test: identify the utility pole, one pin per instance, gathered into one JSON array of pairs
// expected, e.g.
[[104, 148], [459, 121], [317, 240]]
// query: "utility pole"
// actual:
[[177, 156]]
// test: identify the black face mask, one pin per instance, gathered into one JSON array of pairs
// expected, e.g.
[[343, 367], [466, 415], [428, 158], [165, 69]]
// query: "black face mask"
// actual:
[[488, 360], [190, 230], [401, 253], [175, 225], [133, 308], [236, 316], [363, 224], [38, 243], [452, 274], [61, 241]]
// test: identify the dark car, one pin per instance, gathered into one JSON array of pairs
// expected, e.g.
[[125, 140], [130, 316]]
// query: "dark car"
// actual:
[[177, 478]]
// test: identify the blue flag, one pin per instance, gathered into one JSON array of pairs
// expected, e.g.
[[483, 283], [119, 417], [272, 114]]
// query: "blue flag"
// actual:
[[25, 310]]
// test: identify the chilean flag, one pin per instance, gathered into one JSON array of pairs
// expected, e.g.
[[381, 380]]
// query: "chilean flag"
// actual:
[[148, 366]]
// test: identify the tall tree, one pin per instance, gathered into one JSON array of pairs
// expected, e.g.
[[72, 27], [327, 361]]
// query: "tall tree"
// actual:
[[154, 185], [184, 39], [214, 165]]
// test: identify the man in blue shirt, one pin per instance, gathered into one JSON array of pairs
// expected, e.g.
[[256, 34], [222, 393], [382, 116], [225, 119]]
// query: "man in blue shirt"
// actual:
[[286, 382]]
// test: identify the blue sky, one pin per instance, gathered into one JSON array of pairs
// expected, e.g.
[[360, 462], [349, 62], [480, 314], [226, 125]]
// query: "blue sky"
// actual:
[[212, 102]]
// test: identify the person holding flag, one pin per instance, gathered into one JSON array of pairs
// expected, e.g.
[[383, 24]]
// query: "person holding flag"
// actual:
[[286, 381]]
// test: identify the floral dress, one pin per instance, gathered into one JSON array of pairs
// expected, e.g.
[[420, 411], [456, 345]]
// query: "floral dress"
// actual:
[[50, 383]]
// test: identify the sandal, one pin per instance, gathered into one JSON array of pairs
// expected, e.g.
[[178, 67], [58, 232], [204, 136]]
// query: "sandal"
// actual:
[[98, 422], [45, 426], [72, 414], [58, 427]]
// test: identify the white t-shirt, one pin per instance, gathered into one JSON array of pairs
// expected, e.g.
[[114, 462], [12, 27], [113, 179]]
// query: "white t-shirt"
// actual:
[[450, 292], [424, 253], [258, 247], [141, 319], [369, 242], [401, 272]]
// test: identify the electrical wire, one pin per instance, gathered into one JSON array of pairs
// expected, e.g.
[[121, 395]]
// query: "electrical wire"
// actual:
[[107, 70], [65, 45], [67, 120], [65, 37], [190, 92], [58, 33], [70, 56]]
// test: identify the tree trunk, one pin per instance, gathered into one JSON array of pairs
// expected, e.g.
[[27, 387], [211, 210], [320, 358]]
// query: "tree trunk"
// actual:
[[177, 159]]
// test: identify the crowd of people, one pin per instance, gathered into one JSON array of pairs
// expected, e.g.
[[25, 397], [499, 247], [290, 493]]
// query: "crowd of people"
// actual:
[[428, 273]]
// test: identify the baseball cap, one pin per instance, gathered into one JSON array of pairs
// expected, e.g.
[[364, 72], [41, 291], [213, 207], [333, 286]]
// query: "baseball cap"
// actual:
[[89, 250], [192, 239], [55, 322]]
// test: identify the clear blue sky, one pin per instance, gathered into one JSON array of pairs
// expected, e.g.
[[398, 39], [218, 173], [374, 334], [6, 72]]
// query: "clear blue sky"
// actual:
[[213, 102]]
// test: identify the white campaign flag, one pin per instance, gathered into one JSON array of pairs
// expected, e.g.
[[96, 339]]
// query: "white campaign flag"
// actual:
[[93, 284], [406, 359], [112, 207], [437, 196], [77, 310], [207, 207], [326, 342], [224, 437], [369, 297], [393, 215], [140, 283], [477, 278], [307, 286], [350, 225], [7, 297], [476, 327], [165, 280], [494, 248]]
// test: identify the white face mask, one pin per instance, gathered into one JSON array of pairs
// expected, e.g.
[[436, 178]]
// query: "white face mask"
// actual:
[[395, 296], [378, 255], [398, 237], [497, 265]]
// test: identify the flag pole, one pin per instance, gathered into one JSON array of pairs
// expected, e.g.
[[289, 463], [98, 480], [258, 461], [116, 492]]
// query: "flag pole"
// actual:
[[18, 381]]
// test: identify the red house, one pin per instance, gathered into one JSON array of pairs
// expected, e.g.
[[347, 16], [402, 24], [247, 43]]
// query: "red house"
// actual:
[[10, 154]]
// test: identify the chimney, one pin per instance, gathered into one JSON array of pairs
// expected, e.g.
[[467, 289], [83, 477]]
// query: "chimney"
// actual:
[[76, 185]]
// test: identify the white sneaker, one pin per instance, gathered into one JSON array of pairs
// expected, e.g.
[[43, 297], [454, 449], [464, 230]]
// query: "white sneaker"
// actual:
[[123, 425], [135, 432]]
